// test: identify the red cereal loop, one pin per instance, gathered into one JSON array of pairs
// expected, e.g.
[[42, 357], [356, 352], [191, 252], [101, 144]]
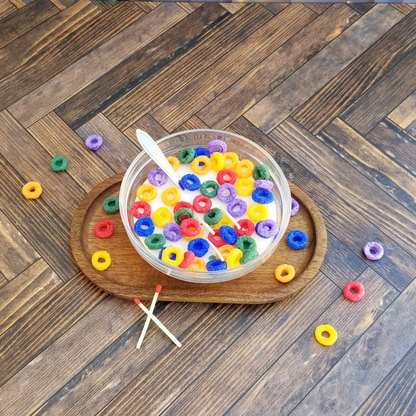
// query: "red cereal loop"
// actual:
[[202, 209], [190, 227], [247, 227], [359, 291], [182, 204], [189, 257], [221, 177], [140, 205], [216, 239], [109, 229]]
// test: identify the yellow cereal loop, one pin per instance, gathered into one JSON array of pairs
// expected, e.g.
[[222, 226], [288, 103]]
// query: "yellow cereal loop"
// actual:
[[200, 235], [257, 212], [231, 160], [146, 192], [198, 265], [244, 186], [284, 273], [324, 340], [223, 221], [233, 258], [244, 169], [218, 161], [101, 255], [174, 162], [201, 170], [225, 250], [161, 217], [173, 256], [171, 196], [32, 190]]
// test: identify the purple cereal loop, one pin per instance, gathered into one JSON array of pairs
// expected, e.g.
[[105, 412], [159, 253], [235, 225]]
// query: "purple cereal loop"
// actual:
[[267, 228], [217, 146], [262, 184], [172, 232], [151, 176], [94, 142], [226, 198], [295, 207], [376, 247], [237, 203]]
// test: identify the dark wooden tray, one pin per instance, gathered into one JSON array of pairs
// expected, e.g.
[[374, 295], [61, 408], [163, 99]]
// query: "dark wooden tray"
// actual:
[[130, 276]]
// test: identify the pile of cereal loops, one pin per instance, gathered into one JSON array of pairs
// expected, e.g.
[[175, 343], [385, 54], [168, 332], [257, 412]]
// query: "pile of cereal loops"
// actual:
[[234, 178]]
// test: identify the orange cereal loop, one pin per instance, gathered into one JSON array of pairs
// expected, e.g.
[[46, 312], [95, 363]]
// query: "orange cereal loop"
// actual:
[[32, 190], [174, 162], [218, 161], [244, 169], [200, 235], [230, 160], [171, 196], [284, 273], [146, 193], [198, 265], [201, 170], [225, 250]]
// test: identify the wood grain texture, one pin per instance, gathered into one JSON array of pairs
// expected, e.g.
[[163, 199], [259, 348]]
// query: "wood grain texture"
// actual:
[[374, 203], [189, 7], [318, 8], [275, 7], [397, 267], [25, 291], [63, 4], [141, 65], [20, 3], [148, 124], [105, 5], [265, 340], [362, 8], [293, 375], [404, 8], [366, 364], [405, 114], [395, 396], [16, 254], [19, 23], [232, 7], [148, 6], [159, 87], [395, 143], [371, 162], [311, 77], [45, 323], [76, 32], [278, 66], [33, 220], [123, 279], [345, 88], [191, 124], [374, 105], [67, 83], [250, 52]]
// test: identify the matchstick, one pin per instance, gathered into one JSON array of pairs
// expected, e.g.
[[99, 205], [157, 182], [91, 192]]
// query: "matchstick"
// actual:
[[146, 324], [158, 323], [233, 220]]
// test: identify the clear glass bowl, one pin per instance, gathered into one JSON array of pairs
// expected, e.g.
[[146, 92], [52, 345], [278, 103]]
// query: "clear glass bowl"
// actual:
[[171, 146]]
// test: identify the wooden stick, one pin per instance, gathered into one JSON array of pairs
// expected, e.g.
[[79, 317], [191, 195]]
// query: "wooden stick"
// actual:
[[146, 324], [158, 323]]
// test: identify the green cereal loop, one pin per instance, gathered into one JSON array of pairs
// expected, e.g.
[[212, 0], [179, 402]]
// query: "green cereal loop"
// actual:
[[246, 243], [180, 212], [209, 184], [213, 216], [59, 163], [248, 256], [261, 172], [110, 205], [155, 241], [187, 155]]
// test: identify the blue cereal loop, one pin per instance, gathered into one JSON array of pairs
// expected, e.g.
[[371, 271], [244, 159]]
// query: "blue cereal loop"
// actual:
[[215, 265], [200, 151], [190, 182], [144, 221], [228, 234], [297, 239], [199, 247], [262, 196], [161, 252]]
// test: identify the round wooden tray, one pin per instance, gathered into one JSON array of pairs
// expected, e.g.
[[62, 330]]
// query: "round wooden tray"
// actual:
[[129, 276]]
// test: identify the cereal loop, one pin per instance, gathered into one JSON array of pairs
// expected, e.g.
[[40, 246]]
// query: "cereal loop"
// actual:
[[201, 165], [231, 160], [59, 163], [104, 229], [173, 256], [111, 204], [146, 193], [284, 273], [324, 340], [171, 196], [244, 169], [217, 161], [101, 255], [233, 258], [358, 289], [257, 212], [244, 186], [174, 162], [161, 217], [226, 176], [182, 204], [197, 265], [225, 250], [190, 238], [189, 257], [32, 190], [224, 221], [140, 205]]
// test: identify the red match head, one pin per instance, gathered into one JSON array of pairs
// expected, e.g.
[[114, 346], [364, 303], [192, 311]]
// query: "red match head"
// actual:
[[158, 288], [137, 301]]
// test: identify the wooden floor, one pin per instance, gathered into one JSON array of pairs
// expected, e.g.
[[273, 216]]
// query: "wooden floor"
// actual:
[[329, 90]]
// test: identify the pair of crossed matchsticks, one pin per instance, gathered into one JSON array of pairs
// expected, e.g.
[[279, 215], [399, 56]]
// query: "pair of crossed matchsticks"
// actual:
[[150, 316]]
